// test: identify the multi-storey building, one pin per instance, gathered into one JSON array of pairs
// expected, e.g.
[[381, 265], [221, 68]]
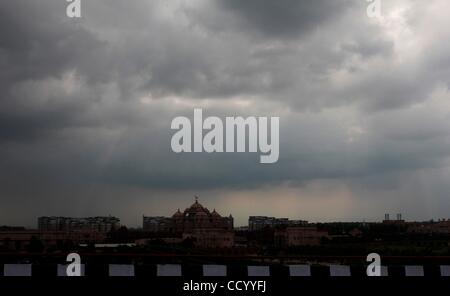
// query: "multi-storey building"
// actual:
[[294, 236], [156, 224], [92, 224], [440, 227], [256, 223]]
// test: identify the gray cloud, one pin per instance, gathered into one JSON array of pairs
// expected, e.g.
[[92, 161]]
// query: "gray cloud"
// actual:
[[285, 18], [87, 104]]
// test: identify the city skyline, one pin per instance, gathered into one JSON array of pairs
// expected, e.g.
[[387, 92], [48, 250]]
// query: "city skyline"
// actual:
[[397, 216]]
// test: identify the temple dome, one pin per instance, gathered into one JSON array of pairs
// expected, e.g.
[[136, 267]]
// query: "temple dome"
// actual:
[[215, 214], [177, 214], [196, 209]]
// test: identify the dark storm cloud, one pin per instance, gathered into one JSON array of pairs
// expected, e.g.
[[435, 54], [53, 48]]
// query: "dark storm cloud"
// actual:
[[284, 18], [36, 41], [86, 104]]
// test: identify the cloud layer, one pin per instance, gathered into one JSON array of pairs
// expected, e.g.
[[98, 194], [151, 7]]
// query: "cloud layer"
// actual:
[[86, 107]]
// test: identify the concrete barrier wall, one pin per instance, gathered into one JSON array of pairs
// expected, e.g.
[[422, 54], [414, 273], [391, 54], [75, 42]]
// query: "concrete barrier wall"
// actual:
[[216, 270], [17, 270], [168, 270]]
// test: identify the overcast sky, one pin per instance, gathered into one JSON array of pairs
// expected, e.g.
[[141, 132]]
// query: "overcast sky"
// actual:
[[86, 107]]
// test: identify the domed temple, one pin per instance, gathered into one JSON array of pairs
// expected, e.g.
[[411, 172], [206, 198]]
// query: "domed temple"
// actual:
[[207, 228], [199, 217]]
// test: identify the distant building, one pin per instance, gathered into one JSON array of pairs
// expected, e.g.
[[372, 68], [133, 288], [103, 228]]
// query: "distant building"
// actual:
[[433, 227], [18, 239], [398, 220], [93, 224], [198, 217], [241, 228], [193, 218], [207, 228], [156, 224], [211, 238], [256, 223], [294, 236]]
